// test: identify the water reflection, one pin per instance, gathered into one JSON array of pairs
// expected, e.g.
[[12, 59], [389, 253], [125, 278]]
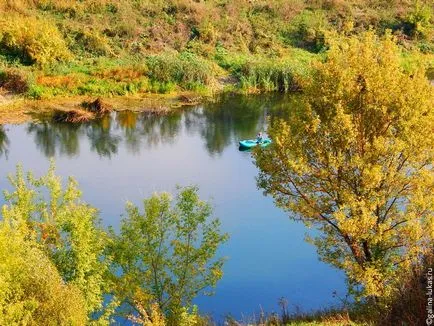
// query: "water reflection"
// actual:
[[102, 137], [234, 118], [159, 129], [127, 120], [144, 153], [218, 123], [54, 137], [4, 142]]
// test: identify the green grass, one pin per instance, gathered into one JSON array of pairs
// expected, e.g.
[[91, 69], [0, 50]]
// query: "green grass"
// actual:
[[186, 45]]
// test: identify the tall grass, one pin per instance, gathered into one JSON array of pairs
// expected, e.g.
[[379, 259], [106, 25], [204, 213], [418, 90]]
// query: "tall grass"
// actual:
[[185, 69], [274, 74], [163, 73]]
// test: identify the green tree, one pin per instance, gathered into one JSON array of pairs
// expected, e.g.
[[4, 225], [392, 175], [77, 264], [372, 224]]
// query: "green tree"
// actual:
[[355, 161], [31, 290], [166, 254], [420, 19], [65, 228]]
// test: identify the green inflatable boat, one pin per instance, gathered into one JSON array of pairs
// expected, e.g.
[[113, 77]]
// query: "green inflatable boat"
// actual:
[[250, 143]]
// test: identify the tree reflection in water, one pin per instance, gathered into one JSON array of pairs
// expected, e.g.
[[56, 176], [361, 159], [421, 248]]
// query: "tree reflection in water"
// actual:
[[141, 130], [56, 137], [4, 142], [219, 123], [102, 138]]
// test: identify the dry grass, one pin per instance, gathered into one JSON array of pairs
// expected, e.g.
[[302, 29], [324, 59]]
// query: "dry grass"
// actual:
[[15, 110], [73, 116], [97, 107], [13, 80], [119, 74], [68, 82]]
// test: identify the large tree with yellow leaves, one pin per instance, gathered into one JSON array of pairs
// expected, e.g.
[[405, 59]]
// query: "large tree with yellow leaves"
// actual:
[[354, 159]]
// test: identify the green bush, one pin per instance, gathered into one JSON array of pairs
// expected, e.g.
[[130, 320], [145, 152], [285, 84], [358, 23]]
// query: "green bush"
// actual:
[[161, 87], [307, 29], [37, 92], [418, 21]]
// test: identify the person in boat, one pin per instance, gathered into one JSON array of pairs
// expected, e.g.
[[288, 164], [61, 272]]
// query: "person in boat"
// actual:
[[259, 138]]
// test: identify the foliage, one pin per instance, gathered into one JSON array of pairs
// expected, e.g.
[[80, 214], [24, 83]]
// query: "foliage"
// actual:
[[408, 302], [166, 253], [307, 30], [420, 20], [154, 317], [14, 80], [32, 40], [31, 290], [186, 69], [93, 43], [55, 259], [355, 160], [181, 41], [65, 228], [268, 74]]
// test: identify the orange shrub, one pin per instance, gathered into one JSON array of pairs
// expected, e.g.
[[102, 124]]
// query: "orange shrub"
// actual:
[[57, 81], [122, 74]]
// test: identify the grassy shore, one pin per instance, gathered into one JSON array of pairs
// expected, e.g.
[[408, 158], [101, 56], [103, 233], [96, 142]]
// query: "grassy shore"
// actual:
[[15, 109], [58, 49]]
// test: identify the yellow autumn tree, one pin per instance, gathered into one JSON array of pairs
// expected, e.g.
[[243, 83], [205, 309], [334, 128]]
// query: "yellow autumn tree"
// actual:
[[32, 291], [54, 221], [32, 40], [355, 160]]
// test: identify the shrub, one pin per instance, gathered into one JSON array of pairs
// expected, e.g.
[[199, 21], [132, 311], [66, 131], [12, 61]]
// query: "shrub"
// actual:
[[51, 214], [14, 80], [418, 21], [37, 92], [409, 301], [94, 43], [31, 290], [32, 40], [307, 30], [153, 316]]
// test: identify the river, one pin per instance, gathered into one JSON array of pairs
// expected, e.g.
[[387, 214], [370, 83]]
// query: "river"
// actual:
[[127, 156]]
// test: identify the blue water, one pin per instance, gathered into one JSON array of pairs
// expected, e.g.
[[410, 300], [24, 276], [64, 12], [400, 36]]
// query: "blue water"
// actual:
[[128, 156]]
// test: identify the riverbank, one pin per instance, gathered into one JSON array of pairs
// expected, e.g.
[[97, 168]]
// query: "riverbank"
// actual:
[[26, 92], [56, 51], [14, 109], [154, 83]]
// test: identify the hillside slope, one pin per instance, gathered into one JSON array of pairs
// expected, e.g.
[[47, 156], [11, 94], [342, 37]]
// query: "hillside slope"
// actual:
[[106, 47]]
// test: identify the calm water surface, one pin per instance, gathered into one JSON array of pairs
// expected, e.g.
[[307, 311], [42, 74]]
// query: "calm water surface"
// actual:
[[129, 156]]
